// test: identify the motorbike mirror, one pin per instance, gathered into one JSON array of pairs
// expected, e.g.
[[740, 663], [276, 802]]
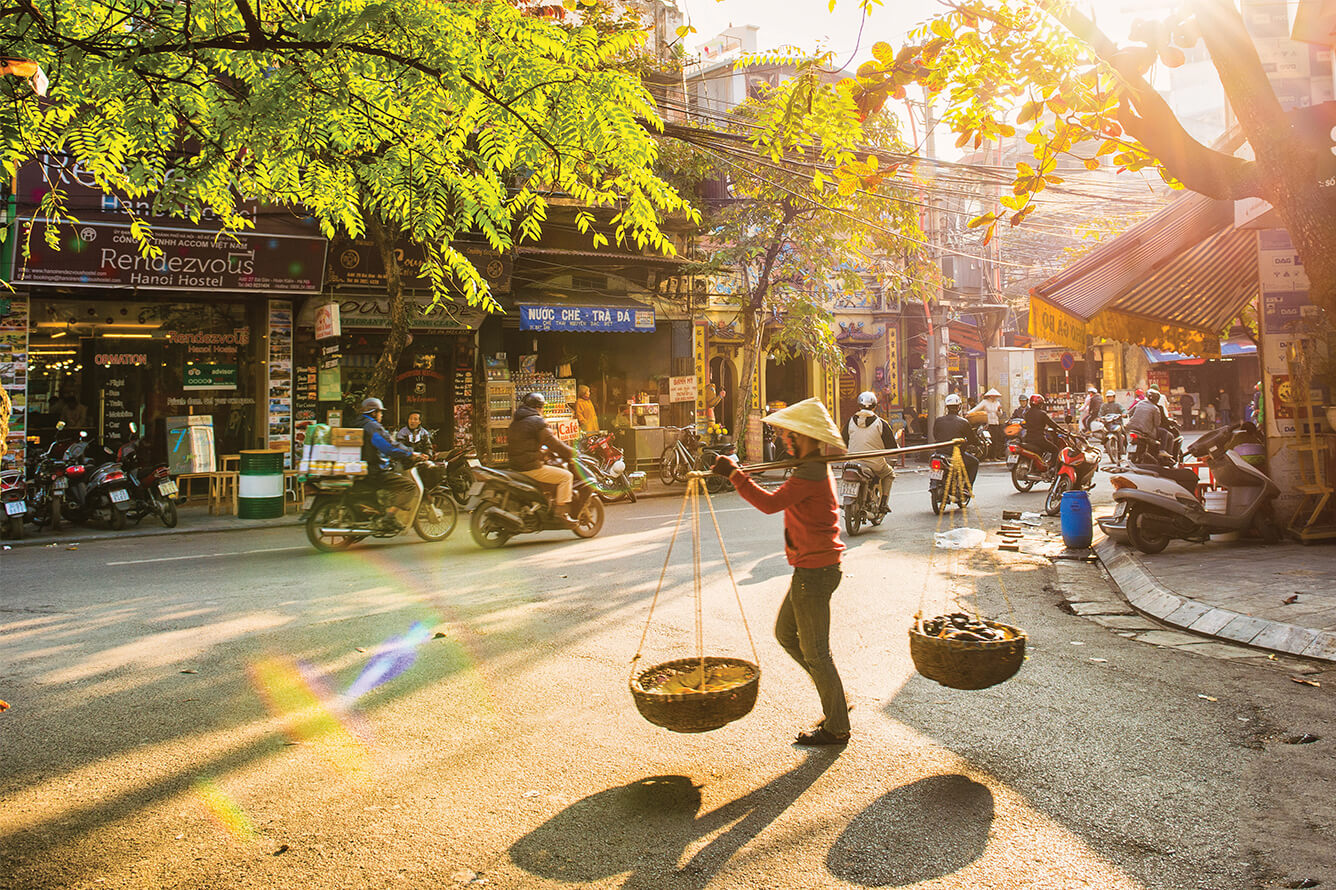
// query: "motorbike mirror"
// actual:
[[60, 424], [133, 428]]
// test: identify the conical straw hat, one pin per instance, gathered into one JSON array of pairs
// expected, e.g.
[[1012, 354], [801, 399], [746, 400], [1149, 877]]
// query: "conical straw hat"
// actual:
[[810, 418], [991, 392]]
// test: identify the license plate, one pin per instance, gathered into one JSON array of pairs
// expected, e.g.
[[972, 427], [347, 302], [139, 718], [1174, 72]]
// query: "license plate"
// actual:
[[935, 474], [474, 490], [60, 484], [167, 489], [1121, 510], [848, 489], [1012, 458], [16, 508], [118, 495]]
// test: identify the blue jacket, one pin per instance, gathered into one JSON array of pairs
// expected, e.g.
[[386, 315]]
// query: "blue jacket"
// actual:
[[377, 446]]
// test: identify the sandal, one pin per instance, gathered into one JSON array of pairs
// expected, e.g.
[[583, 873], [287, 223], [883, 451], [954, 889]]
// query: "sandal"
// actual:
[[821, 736]]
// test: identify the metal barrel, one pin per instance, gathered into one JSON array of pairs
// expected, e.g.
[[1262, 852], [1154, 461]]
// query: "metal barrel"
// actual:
[[260, 485]]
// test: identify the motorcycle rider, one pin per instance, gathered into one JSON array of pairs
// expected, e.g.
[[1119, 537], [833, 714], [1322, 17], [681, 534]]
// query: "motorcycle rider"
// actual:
[[415, 435], [868, 432], [991, 405], [1147, 419], [1168, 428], [529, 433], [1110, 405], [1090, 410], [379, 452], [952, 426], [1022, 406], [1037, 426]]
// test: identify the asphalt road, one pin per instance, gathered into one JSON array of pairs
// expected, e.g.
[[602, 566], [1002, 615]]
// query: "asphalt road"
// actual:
[[231, 710]]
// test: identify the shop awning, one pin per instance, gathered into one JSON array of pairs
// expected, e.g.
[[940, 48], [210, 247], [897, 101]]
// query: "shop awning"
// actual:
[[1228, 349], [1171, 283], [966, 335], [599, 314]]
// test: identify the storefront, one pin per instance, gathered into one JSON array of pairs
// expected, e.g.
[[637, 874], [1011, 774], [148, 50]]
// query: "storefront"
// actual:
[[1193, 385]]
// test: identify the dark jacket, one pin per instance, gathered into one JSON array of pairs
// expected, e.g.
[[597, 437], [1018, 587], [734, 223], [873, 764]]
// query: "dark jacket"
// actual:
[[1037, 425], [377, 446], [953, 426], [525, 438]]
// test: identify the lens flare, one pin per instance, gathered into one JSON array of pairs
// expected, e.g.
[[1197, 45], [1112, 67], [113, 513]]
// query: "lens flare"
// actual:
[[394, 656], [223, 810], [293, 694]]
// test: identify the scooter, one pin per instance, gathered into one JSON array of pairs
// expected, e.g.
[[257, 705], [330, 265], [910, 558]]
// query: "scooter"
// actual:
[[1077, 463], [459, 472], [939, 467], [13, 495], [345, 509], [1112, 438], [1142, 449], [1159, 512], [154, 492], [1169, 482], [861, 496], [1028, 466], [98, 488], [605, 460], [511, 503]]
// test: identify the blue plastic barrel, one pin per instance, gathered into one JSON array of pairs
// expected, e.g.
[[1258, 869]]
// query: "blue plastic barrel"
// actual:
[[1077, 527]]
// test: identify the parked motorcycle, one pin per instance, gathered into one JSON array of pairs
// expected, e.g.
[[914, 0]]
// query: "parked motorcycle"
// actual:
[[605, 461], [938, 467], [1077, 463], [153, 491], [1108, 431], [47, 485], [1159, 511], [98, 488], [14, 497], [1147, 449], [511, 503], [861, 496], [1170, 482], [459, 464], [344, 509]]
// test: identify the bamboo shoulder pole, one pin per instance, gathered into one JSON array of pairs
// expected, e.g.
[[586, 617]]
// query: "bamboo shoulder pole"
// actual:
[[842, 458]]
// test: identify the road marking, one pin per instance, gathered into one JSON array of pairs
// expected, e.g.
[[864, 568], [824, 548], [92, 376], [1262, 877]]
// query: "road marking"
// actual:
[[132, 562]]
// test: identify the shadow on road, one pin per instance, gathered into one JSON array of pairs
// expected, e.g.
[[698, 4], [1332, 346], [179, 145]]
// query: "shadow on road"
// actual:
[[644, 828], [918, 832]]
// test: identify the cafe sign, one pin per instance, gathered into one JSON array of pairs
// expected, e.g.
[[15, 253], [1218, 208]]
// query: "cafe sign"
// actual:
[[548, 317]]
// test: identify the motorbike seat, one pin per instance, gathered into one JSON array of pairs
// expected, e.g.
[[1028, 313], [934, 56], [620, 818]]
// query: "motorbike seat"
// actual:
[[1185, 478]]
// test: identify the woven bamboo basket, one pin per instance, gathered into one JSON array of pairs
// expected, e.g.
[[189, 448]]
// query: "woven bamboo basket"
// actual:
[[694, 711], [966, 664]]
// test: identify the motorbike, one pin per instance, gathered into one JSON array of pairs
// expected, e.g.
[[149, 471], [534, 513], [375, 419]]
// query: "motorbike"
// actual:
[[98, 487], [1167, 481], [153, 491], [1142, 449], [605, 461], [1108, 431], [14, 497], [511, 503], [345, 509], [1077, 463], [938, 466], [459, 472], [1029, 466], [47, 485], [982, 446], [861, 496], [1160, 510]]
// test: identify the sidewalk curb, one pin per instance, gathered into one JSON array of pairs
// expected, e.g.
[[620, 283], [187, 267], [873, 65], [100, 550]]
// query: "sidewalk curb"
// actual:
[[1147, 595], [63, 538]]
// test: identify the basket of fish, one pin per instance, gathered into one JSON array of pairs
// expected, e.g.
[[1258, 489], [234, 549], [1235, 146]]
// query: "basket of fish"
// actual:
[[966, 652], [696, 694]]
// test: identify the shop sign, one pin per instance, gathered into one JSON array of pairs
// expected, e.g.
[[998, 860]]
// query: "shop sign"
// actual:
[[1282, 281], [327, 321], [681, 389], [698, 353], [892, 382], [120, 358], [358, 264], [210, 377], [1048, 322], [328, 384], [545, 317], [107, 255], [423, 314]]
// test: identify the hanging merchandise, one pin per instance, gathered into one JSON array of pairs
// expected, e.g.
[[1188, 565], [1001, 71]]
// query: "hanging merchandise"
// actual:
[[959, 649], [703, 692]]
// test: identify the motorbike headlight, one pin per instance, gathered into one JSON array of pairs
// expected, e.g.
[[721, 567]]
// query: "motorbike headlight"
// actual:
[[618, 467]]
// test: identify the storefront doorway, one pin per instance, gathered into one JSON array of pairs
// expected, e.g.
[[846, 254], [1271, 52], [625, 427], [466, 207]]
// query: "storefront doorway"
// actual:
[[787, 381]]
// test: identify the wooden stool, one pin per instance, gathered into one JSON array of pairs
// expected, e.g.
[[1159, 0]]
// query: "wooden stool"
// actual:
[[223, 492], [184, 481]]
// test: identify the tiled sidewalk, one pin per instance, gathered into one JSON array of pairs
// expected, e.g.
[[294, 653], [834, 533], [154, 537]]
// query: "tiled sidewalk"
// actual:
[[1236, 592]]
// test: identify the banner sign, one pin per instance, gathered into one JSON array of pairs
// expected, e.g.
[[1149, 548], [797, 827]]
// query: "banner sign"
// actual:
[[544, 317], [359, 264], [107, 255], [1048, 322], [682, 389], [327, 321], [209, 376]]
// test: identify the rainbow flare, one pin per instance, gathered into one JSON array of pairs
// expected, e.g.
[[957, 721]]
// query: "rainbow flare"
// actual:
[[223, 810]]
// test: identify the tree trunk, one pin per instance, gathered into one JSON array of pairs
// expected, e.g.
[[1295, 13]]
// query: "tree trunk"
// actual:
[[382, 376], [751, 350]]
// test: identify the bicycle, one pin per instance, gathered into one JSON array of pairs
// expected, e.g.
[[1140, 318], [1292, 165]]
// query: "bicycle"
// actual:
[[681, 457]]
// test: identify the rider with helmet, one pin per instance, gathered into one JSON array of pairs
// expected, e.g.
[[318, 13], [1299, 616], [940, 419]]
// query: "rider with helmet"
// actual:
[[1090, 408], [529, 433], [1038, 423], [1147, 419], [952, 426], [868, 432], [1110, 405], [379, 451]]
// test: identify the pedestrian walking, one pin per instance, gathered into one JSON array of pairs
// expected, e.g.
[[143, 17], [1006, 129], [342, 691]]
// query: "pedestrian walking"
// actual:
[[992, 407], [813, 547], [1222, 407]]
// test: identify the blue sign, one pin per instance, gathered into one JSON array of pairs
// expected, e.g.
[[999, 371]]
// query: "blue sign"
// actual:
[[586, 318]]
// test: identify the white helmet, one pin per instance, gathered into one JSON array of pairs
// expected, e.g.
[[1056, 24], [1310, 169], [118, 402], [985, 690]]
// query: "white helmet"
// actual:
[[867, 400], [953, 400], [1110, 394]]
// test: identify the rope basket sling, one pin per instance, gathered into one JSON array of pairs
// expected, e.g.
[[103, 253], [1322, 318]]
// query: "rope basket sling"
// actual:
[[965, 663], [704, 692]]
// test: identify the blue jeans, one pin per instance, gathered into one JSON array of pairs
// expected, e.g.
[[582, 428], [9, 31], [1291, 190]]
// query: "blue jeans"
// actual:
[[803, 629]]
